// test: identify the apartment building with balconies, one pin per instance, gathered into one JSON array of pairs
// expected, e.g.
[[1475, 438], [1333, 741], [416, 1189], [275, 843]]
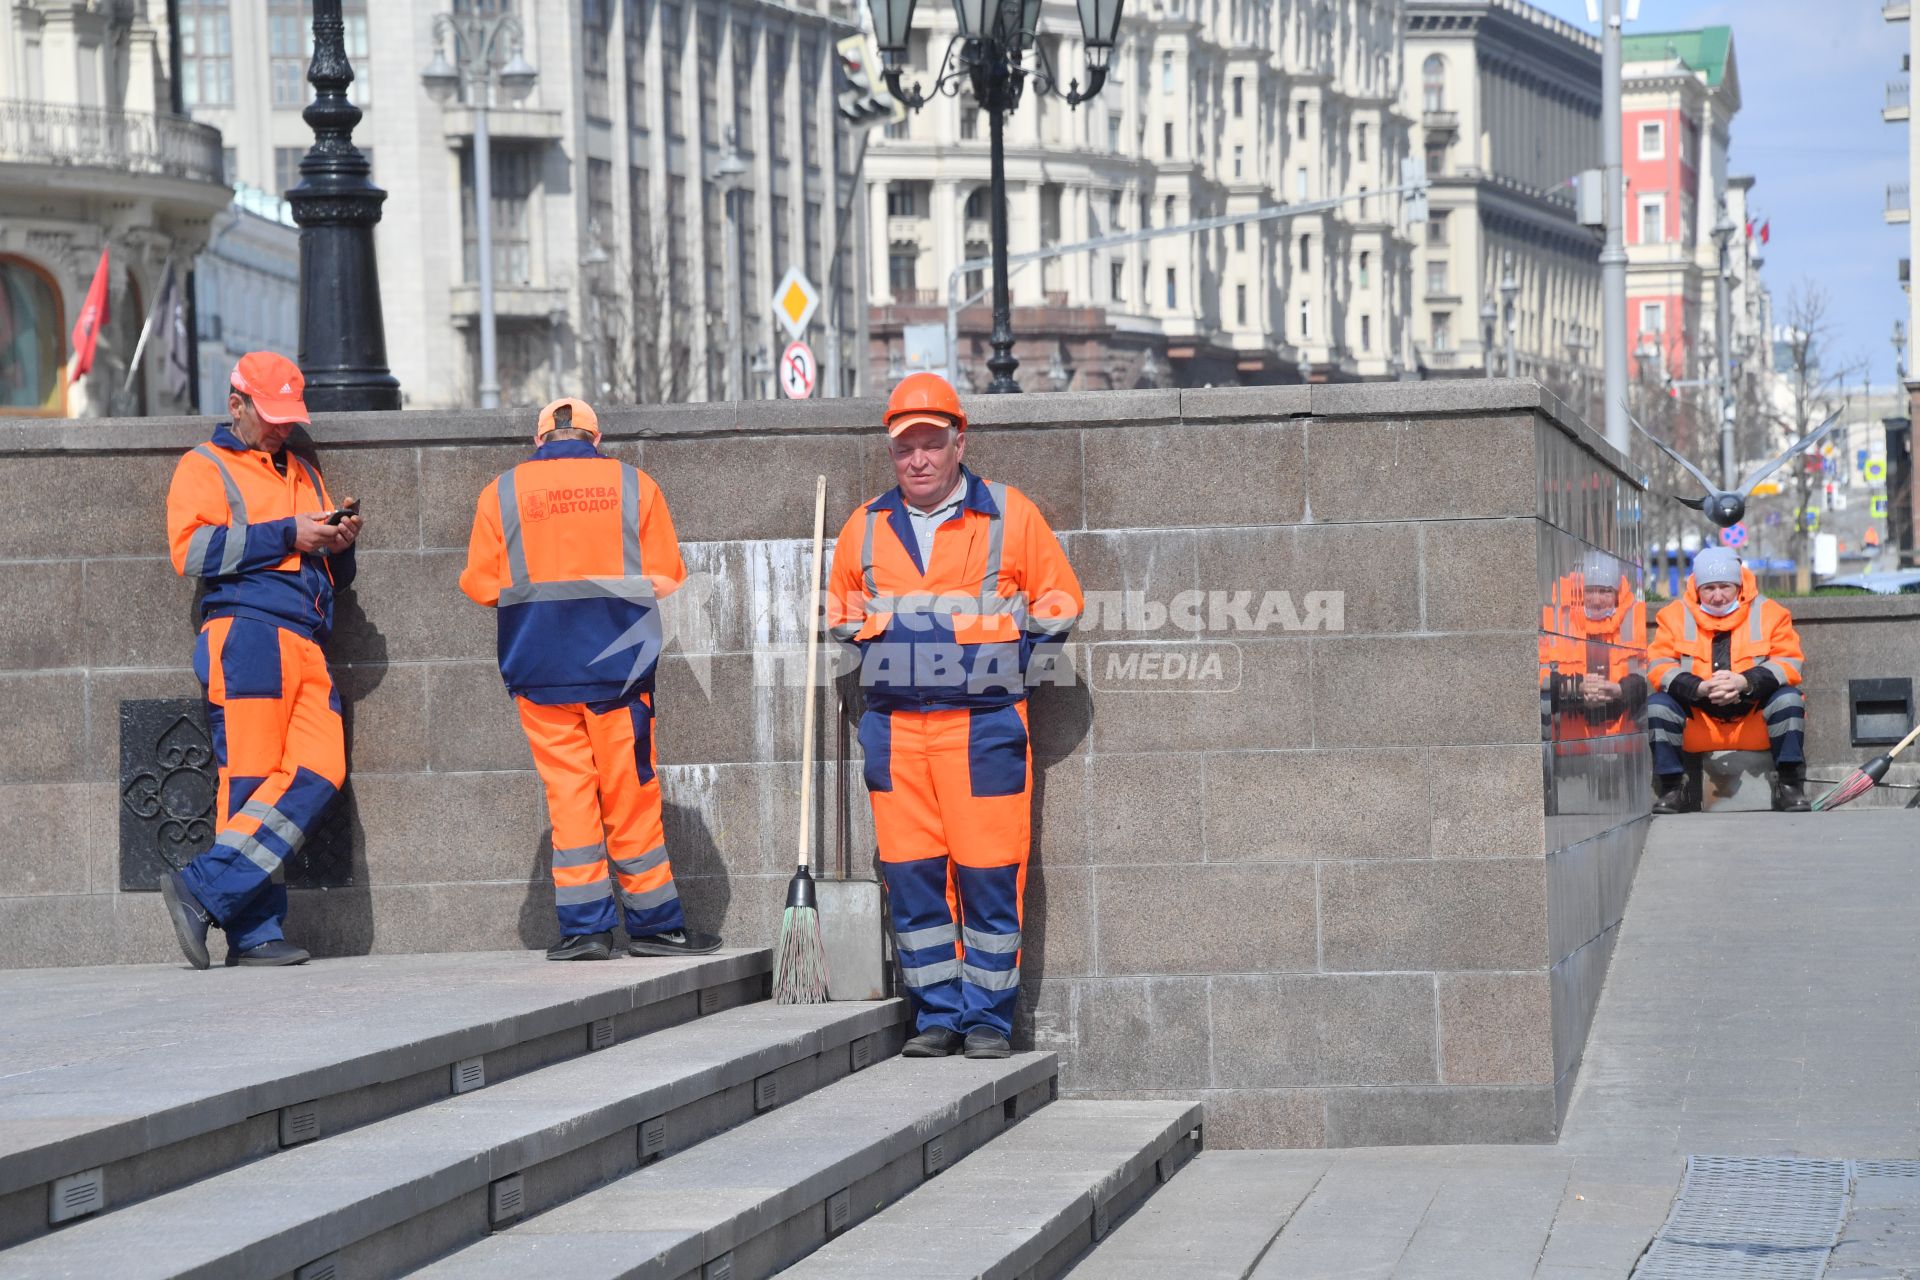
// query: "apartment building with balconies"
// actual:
[[1213, 108]]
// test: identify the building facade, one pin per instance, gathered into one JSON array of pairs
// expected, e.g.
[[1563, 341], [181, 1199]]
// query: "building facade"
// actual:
[[1903, 493], [246, 287], [615, 238], [1505, 101], [1213, 107], [92, 158]]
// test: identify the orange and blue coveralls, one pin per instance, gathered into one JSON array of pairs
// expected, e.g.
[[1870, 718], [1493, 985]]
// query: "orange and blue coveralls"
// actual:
[[574, 550], [1574, 646], [1759, 641], [271, 706], [946, 649]]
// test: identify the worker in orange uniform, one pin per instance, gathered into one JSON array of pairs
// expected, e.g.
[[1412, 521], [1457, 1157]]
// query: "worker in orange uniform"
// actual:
[[1593, 654], [1726, 663], [956, 595], [251, 522], [575, 551]]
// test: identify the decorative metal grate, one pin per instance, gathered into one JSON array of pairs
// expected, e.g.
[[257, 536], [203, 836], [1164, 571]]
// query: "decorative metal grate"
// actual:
[[169, 788], [1739, 1219]]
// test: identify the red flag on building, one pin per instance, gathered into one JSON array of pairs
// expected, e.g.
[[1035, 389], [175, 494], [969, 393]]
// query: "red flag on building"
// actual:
[[1766, 230], [86, 330]]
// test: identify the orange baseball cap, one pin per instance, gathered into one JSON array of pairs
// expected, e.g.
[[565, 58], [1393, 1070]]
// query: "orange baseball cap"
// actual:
[[274, 384], [584, 418]]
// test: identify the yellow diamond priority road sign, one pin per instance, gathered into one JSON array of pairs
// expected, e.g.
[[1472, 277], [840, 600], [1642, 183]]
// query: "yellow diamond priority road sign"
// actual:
[[794, 303]]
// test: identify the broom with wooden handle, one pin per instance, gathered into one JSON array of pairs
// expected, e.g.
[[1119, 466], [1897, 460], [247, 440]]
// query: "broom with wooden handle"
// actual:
[[1865, 778], [800, 961]]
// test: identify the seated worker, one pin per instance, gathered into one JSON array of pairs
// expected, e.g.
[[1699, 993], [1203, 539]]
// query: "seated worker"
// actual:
[[1592, 653], [1726, 663]]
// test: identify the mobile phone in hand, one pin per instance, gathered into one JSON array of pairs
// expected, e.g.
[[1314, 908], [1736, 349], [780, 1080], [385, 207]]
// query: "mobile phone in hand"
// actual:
[[352, 508]]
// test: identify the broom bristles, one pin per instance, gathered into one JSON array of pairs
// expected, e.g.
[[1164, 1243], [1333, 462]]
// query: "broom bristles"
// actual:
[[1851, 788], [800, 961]]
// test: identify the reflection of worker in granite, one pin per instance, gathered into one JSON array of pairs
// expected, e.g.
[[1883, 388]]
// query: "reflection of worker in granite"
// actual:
[[1592, 653], [1726, 662]]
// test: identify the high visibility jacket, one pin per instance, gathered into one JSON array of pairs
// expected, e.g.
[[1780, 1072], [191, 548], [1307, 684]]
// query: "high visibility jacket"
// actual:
[[574, 550], [230, 524], [1574, 646], [963, 630], [1757, 640]]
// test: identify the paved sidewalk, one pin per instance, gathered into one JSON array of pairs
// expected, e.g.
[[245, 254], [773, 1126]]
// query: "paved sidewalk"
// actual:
[[1764, 1001]]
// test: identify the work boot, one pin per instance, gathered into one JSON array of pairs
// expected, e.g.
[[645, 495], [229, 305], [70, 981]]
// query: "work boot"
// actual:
[[190, 919], [275, 954], [1670, 794], [582, 946], [674, 942], [935, 1042], [1789, 790], [985, 1042]]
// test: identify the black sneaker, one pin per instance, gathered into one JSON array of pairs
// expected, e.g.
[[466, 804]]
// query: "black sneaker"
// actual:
[[675, 942], [276, 954], [1671, 796], [938, 1042], [582, 946], [985, 1042], [190, 919]]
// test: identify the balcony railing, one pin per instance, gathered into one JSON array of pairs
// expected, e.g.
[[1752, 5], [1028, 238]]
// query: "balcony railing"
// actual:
[[1896, 202], [95, 138], [1440, 121], [916, 297], [1897, 101]]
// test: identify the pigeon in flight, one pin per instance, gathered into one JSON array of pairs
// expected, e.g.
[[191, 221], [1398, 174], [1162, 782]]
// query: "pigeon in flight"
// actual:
[[1725, 507]]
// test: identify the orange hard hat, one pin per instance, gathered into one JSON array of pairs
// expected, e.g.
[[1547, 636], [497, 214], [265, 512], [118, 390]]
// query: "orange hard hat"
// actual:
[[924, 399]]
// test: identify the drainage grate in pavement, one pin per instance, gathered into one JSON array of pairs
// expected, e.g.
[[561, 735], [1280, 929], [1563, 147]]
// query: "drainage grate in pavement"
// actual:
[[1750, 1220], [1886, 1168]]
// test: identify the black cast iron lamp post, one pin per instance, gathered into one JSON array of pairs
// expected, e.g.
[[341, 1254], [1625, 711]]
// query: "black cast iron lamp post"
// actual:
[[995, 36], [477, 40]]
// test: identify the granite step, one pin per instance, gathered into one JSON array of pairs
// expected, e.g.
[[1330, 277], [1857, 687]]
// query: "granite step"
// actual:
[[1026, 1205], [390, 1195], [1212, 1222], [119, 1083], [760, 1197]]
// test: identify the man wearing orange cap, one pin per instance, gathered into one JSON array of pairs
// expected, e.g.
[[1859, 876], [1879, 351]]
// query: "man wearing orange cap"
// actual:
[[253, 522], [957, 596], [574, 550]]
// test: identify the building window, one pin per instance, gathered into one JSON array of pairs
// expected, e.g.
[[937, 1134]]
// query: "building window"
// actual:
[[1360, 142], [600, 217], [1436, 161], [1442, 339], [596, 32], [672, 55], [33, 353], [1166, 139], [1366, 262], [1172, 289], [1437, 227], [969, 122], [229, 165], [1366, 333], [1300, 183], [1239, 158], [707, 51], [900, 201], [1436, 279], [777, 97], [1240, 237], [810, 102], [903, 271], [1117, 272], [1240, 304], [1113, 210], [634, 24], [1653, 317], [1653, 217], [286, 50], [1113, 133], [1306, 244], [1300, 119], [1239, 89], [206, 54], [513, 171], [1653, 140], [1166, 72], [1433, 83], [1366, 205], [1166, 212], [742, 87], [810, 229], [286, 168], [1306, 322]]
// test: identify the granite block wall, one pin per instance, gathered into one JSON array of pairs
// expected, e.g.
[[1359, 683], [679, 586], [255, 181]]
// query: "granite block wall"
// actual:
[[1340, 881]]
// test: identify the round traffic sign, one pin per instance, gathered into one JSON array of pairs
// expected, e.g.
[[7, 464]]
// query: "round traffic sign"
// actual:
[[798, 371], [1875, 470], [1734, 535]]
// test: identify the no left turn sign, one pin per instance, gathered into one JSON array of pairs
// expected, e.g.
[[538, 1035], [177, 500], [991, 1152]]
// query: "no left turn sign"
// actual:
[[798, 372]]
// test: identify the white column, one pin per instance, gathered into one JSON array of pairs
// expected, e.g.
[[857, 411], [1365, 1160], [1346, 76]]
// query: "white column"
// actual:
[[881, 279]]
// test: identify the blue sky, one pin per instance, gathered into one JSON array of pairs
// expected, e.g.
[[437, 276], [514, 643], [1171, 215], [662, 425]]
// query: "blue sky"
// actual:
[[1812, 83]]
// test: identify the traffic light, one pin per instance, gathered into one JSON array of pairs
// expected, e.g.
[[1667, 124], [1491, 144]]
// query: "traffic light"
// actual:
[[865, 100]]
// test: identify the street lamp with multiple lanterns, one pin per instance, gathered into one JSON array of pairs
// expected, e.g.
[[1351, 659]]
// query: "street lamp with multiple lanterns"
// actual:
[[990, 54], [479, 41]]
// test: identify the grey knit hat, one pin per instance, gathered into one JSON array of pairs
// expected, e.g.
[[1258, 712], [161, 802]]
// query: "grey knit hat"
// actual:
[[1716, 564]]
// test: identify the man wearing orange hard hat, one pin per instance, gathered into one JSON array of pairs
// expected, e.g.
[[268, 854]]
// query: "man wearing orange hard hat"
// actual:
[[956, 594], [573, 550], [253, 522]]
